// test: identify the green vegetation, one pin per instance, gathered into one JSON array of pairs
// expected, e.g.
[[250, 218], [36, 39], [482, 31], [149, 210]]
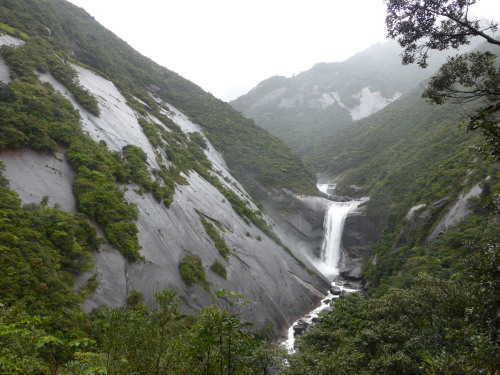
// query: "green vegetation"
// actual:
[[89, 287], [434, 327], [220, 245], [37, 55], [157, 341], [33, 115], [192, 271], [297, 108], [219, 269], [464, 78], [12, 31], [251, 153], [199, 140], [42, 250], [99, 197]]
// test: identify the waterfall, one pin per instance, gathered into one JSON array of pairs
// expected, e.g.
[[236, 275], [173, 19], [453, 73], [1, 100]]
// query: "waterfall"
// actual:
[[331, 252], [331, 257], [326, 188]]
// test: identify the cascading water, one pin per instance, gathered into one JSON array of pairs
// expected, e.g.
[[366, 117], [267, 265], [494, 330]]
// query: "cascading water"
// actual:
[[331, 257], [331, 246]]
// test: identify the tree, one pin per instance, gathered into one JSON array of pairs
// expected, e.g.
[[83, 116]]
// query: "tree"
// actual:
[[424, 25]]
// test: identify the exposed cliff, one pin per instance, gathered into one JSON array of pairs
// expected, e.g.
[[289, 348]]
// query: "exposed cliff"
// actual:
[[175, 178]]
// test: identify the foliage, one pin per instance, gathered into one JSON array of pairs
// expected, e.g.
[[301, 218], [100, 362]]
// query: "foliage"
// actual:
[[219, 269], [472, 77], [99, 197], [223, 346], [199, 140], [90, 286], [42, 251], [214, 235], [421, 27], [142, 341], [436, 326], [157, 341], [37, 55], [33, 115], [424, 26], [19, 334], [135, 301], [192, 271]]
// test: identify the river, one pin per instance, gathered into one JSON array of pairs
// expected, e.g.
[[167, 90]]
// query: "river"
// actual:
[[331, 259]]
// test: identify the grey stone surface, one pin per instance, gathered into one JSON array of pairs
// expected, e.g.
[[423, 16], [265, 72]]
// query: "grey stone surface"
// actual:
[[10, 40], [303, 228], [361, 230], [456, 212], [34, 175], [279, 289], [4, 71]]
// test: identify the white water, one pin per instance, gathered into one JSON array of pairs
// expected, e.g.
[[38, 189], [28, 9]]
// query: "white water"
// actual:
[[325, 187], [331, 250], [308, 318], [331, 256]]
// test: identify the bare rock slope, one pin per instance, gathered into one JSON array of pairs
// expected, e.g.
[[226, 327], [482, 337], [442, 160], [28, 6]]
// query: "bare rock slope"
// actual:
[[259, 268]]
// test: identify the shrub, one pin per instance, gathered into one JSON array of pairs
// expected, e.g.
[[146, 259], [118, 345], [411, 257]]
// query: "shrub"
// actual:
[[219, 269], [192, 271], [214, 235]]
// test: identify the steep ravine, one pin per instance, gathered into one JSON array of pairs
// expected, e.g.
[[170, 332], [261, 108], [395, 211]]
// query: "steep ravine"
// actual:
[[279, 288], [332, 258]]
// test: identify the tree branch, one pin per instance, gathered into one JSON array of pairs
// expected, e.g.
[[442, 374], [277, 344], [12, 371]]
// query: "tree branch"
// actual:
[[472, 29]]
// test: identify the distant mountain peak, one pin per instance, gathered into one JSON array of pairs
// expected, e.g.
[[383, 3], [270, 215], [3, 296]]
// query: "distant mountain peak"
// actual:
[[304, 108]]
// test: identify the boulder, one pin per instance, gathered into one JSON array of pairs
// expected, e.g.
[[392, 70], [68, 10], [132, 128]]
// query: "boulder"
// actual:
[[327, 310], [300, 327], [335, 290], [355, 274]]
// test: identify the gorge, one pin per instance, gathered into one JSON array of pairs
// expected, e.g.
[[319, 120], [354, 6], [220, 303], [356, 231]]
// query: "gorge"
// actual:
[[330, 262], [147, 227]]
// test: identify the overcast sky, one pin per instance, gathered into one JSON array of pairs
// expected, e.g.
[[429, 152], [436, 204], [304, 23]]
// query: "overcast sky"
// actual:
[[229, 46]]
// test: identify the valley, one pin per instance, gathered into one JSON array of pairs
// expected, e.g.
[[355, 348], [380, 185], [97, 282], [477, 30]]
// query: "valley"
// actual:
[[148, 227]]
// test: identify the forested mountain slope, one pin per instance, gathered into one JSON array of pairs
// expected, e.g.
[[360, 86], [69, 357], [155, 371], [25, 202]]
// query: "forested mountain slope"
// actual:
[[73, 34], [305, 108], [417, 167], [131, 175]]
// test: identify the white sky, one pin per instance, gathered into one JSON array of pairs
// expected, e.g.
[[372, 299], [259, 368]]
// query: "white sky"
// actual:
[[229, 46]]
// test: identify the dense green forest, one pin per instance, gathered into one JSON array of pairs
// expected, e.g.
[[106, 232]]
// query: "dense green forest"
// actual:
[[432, 307], [255, 157], [412, 153]]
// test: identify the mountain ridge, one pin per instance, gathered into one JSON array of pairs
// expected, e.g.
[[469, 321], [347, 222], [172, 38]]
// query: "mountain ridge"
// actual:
[[309, 106], [144, 152]]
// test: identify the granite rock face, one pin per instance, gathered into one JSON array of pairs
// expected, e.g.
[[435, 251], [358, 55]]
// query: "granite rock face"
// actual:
[[278, 287], [305, 227], [361, 230], [456, 212]]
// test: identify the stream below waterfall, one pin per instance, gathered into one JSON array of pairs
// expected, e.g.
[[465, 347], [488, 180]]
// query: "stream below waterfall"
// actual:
[[329, 264]]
